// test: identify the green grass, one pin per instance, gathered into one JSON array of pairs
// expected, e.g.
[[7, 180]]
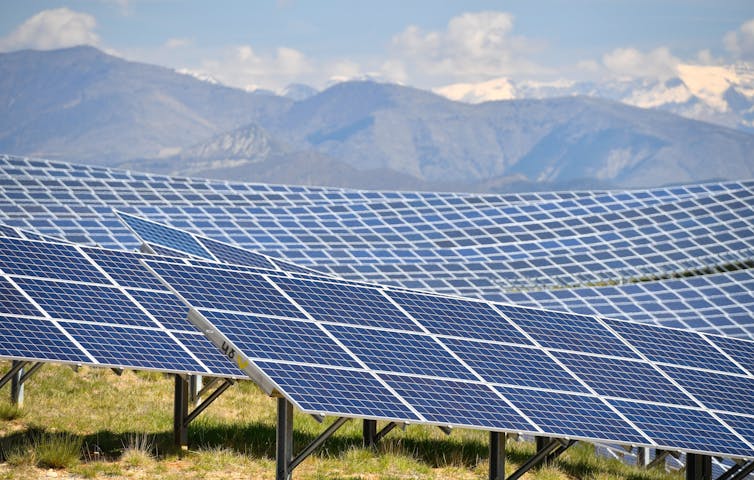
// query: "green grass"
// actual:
[[94, 424]]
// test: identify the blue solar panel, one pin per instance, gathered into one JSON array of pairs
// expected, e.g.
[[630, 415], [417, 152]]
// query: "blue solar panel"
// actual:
[[567, 331], [48, 260], [514, 365], [330, 390], [210, 355], [136, 347], [12, 302], [238, 256], [226, 290], [457, 403], [741, 352], [732, 393], [344, 303], [152, 232], [683, 428], [677, 347], [124, 268], [37, 339], [571, 415], [279, 339], [165, 307], [400, 352], [92, 303], [458, 317], [631, 379], [744, 425]]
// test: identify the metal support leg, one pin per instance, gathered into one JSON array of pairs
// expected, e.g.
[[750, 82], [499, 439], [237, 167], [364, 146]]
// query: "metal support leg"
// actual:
[[180, 412], [552, 449], [369, 432], [660, 456], [195, 387], [738, 472], [284, 439], [541, 443], [698, 467], [16, 385], [497, 456], [642, 457]]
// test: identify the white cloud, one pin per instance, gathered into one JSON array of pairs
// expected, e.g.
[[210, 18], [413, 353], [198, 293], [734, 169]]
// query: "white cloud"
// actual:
[[741, 42], [632, 63], [243, 67], [473, 45], [178, 43], [50, 29]]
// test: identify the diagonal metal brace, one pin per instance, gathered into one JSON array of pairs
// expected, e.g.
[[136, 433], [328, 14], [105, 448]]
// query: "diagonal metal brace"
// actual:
[[207, 402], [551, 450], [385, 430], [738, 471], [15, 368], [660, 456], [316, 443], [28, 373]]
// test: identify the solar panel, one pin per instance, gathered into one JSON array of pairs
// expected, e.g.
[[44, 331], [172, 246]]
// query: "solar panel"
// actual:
[[57, 306], [436, 376]]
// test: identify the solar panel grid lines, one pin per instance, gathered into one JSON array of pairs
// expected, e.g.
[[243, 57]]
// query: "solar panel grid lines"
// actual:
[[179, 238]]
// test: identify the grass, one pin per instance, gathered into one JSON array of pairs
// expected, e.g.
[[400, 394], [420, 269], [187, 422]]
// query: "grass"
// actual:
[[94, 424]]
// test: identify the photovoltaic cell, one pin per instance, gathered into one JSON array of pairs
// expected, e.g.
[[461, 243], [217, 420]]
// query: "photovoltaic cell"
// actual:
[[567, 331], [165, 307], [741, 352], [571, 415], [48, 260], [176, 239], [279, 339], [237, 256], [36, 339], [514, 365], [343, 303], [124, 268], [12, 302], [136, 347], [80, 301], [451, 402], [630, 379], [398, 352], [209, 354], [682, 428], [226, 290], [463, 318], [323, 390], [671, 346], [744, 425], [732, 393]]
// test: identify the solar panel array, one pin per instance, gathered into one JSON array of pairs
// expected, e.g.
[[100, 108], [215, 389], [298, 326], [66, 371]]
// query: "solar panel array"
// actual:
[[85, 305], [338, 348]]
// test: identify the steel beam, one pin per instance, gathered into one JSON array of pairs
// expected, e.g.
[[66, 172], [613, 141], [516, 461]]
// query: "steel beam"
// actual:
[[180, 412], [743, 472], [385, 430], [316, 443], [17, 385], [552, 449], [284, 450], [698, 467], [207, 402], [497, 456], [369, 433]]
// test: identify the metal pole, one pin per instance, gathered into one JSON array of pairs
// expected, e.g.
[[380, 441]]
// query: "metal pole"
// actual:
[[698, 467], [180, 412], [369, 433], [16, 385], [284, 439], [497, 456]]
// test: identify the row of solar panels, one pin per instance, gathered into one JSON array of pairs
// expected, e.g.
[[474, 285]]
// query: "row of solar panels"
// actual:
[[338, 348]]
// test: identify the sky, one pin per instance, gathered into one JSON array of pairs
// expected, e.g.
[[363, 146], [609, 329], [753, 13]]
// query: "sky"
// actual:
[[428, 44]]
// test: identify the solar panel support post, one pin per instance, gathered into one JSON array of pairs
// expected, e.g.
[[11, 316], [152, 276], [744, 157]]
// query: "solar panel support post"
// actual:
[[17, 386], [195, 387], [541, 443], [180, 411], [698, 467], [369, 433], [284, 450], [642, 457], [660, 456], [497, 456]]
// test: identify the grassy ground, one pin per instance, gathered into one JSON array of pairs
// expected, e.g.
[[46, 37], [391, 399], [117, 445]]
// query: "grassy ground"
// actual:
[[95, 424]]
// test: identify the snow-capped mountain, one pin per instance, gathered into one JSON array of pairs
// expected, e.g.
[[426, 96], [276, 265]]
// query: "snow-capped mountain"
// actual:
[[719, 94]]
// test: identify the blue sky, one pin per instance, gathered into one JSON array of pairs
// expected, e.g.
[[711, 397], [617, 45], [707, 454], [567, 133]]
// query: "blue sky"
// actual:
[[428, 44]]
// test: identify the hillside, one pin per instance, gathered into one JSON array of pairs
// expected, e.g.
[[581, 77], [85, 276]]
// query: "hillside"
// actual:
[[82, 105]]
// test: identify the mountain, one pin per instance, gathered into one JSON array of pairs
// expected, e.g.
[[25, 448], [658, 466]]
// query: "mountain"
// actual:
[[80, 103], [718, 94]]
